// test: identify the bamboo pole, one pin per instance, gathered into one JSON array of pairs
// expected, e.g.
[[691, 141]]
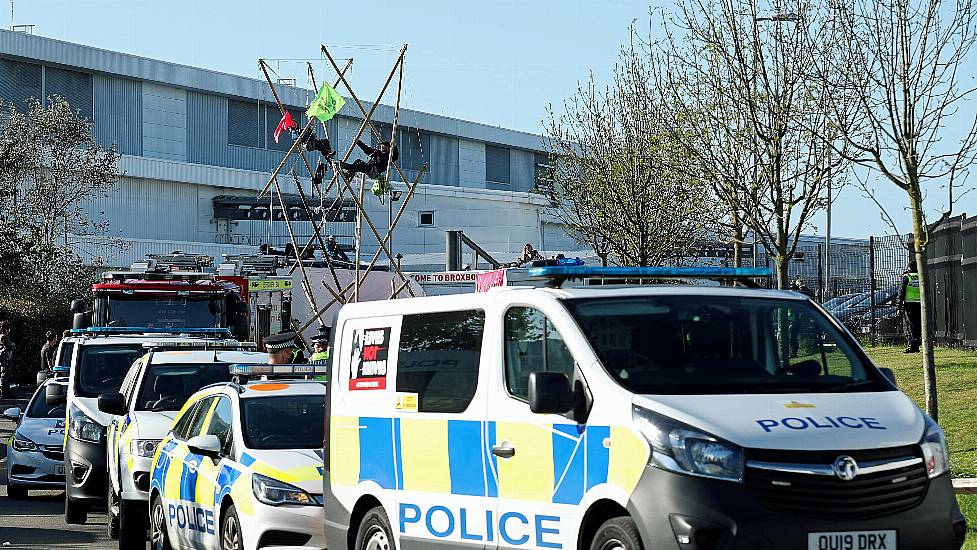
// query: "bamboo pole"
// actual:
[[359, 239]]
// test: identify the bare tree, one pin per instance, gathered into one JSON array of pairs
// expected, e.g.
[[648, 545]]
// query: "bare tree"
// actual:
[[903, 63], [620, 182], [742, 69]]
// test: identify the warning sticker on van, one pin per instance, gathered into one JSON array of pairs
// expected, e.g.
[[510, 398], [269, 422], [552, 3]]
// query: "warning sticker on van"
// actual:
[[368, 367]]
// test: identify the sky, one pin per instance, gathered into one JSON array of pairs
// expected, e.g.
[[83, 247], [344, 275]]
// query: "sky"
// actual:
[[497, 62]]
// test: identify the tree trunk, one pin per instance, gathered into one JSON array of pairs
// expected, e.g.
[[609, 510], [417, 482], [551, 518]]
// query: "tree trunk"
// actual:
[[737, 241], [926, 329], [783, 266]]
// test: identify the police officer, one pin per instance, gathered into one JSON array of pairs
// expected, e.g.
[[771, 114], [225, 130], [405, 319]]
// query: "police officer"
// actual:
[[283, 349], [909, 304], [320, 347]]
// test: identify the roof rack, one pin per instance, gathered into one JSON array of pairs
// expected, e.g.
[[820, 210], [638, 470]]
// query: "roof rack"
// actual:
[[175, 261], [244, 371], [168, 345], [554, 277], [251, 264], [111, 331]]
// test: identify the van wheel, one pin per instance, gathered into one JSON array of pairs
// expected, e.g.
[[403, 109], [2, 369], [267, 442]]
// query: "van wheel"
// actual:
[[157, 525], [16, 492], [75, 513], [374, 532], [231, 530], [132, 525], [617, 534], [112, 522]]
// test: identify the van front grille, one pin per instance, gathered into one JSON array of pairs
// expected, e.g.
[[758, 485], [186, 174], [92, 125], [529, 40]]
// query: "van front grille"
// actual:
[[804, 484]]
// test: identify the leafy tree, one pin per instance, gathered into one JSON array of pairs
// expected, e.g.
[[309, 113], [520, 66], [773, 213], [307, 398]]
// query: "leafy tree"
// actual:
[[621, 183]]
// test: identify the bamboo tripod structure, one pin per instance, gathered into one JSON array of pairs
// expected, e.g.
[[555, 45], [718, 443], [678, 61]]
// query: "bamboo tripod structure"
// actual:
[[350, 292]]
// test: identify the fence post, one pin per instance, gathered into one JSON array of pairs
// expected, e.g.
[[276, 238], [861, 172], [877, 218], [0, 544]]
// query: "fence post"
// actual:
[[821, 287], [871, 287]]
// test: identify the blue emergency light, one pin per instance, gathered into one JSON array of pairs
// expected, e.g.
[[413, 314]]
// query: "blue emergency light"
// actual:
[[105, 331], [556, 276]]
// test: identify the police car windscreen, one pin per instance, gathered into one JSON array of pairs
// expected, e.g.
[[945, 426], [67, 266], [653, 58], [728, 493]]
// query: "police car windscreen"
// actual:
[[286, 422], [164, 312], [40, 409], [167, 387], [687, 344], [102, 368]]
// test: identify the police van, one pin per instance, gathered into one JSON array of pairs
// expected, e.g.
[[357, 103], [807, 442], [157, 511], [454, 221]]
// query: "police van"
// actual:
[[101, 357], [156, 387], [623, 417], [241, 467]]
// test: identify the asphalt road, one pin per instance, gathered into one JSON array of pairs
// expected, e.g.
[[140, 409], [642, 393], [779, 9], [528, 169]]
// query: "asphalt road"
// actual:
[[38, 522]]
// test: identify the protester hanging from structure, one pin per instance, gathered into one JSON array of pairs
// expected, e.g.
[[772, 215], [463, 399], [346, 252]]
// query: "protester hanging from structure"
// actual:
[[312, 143], [377, 163], [910, 307], [334, 251]]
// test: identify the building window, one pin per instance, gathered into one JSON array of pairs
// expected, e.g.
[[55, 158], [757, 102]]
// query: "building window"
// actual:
[[75, 87], [426, 219], [496, 164], [273, 116], [439, 359], [242, 123], [19, 82]]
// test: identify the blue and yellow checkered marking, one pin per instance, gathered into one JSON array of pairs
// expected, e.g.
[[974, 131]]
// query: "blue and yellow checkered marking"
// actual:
[[555, 463]]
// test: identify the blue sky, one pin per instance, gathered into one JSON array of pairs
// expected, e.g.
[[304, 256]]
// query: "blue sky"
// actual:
[[499, 62]]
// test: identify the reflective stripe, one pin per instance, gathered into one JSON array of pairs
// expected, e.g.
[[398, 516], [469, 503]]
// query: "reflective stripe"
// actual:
[[424, 454], [912, 286], [529, 474]]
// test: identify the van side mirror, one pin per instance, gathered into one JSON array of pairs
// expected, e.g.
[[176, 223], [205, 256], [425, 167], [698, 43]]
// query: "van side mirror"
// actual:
[[55, 394], [79, 305], [550, 393], [112, 403], [205, 445], [12, 413], [889, 375]]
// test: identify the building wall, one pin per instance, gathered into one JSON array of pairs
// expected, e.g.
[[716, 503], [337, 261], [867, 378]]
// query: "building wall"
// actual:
[[118, 113], [164, 122]]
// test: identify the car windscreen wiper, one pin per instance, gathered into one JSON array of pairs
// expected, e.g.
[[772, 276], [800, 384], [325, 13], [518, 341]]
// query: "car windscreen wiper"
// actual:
[[846, 386]]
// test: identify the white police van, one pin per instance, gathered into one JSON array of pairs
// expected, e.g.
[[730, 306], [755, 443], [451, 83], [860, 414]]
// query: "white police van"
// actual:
[[101, 357], [657, 416], [241, 467], [156, 387]]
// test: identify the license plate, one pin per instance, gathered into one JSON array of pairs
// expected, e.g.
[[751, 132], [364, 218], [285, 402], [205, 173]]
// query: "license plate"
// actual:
[[59, 470], [852, 540]]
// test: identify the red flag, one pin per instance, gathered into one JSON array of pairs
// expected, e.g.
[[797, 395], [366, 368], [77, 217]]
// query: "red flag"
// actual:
[[285, 124]]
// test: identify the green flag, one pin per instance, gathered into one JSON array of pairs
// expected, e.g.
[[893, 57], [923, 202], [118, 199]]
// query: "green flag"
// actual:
[[326, 104]]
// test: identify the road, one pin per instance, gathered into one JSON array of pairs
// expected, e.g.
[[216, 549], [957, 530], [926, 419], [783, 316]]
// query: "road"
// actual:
[[38, 522]]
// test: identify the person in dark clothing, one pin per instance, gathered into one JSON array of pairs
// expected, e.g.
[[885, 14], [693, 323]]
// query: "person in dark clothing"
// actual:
[[377, 163], [312, 143], [910, 307], [334, 251], [48, 350], [797, 324]]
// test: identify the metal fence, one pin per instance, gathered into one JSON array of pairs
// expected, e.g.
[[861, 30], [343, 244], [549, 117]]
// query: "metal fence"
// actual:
[[952, 266]]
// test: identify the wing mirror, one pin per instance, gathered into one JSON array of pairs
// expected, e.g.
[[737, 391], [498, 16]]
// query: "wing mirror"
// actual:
[[205, 445], [889, 375], [551, 393], [112, 403], [55, 394], [13, 413]]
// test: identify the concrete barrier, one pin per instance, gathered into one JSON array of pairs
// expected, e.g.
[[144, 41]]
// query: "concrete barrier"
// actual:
[[965, 486]]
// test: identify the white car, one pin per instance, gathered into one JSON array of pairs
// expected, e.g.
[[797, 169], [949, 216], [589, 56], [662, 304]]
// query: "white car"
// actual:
[[35, 454], [241, 467], [153, 391]]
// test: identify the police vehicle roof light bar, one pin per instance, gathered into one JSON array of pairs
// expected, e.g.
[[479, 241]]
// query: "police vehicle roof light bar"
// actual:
[[554, 277], [109, 331], [164, 345], [248, 370]]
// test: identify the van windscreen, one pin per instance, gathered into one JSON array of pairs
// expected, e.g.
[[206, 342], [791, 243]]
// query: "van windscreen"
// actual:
[[688, 344], [102, 368]]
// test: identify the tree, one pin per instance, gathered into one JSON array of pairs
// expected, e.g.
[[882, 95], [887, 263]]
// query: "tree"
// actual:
[[50, 166], [741, 72], [620, 182], [903, 63]]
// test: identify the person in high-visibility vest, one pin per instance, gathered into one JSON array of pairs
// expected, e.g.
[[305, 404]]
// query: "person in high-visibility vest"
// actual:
[[909, 305], [320, 347]]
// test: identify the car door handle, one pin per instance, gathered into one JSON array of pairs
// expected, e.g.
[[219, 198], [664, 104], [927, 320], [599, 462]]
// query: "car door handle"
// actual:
[[504, 451]]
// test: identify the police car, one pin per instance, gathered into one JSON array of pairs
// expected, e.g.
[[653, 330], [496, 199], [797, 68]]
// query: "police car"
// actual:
[[101, 357], [35, 452], [608, 417], [241, 467], [154, 390]]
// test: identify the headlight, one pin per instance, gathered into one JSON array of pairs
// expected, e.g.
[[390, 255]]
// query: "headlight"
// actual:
[[935, 452], [83, 428], [274, 492], [680, 448], [143, 447], [21, 443]]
